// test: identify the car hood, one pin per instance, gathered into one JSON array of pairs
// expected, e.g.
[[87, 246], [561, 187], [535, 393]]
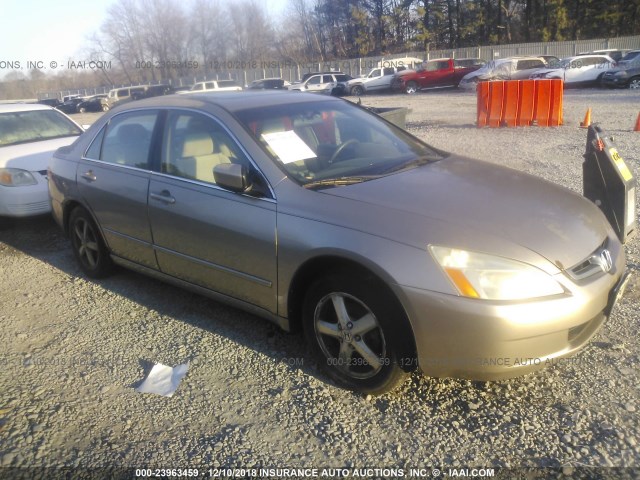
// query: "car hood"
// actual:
[[32, 156], [492, 201]]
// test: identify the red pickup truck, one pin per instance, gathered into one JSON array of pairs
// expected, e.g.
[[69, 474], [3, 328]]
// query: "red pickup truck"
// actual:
[[438, 73]]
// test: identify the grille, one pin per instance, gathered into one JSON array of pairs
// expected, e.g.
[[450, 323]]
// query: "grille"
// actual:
[[587, 267]]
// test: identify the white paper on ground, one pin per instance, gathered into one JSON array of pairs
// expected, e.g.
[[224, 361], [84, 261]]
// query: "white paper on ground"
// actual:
[[163, 380], [288, 146]]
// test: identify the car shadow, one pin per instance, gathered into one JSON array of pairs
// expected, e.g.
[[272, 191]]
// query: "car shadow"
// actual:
[[41, 238]]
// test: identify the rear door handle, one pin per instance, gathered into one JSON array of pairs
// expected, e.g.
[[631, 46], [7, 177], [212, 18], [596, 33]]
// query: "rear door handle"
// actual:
[[164, 196], [89, 176]]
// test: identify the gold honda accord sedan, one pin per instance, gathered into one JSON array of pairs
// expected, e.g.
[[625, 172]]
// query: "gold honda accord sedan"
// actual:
[[314, 213]]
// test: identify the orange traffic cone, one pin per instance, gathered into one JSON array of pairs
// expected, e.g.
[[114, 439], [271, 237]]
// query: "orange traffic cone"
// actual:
[[587, 119], [637, 128]]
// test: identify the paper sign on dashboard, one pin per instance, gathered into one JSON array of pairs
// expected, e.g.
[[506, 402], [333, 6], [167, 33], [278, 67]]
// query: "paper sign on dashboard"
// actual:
[[288, 146]]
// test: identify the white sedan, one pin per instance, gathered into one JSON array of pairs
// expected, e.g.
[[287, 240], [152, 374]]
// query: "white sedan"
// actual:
[[29, 134], [579, 71]]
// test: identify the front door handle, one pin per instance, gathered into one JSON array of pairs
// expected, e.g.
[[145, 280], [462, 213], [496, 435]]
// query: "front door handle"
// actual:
[[89, 176], [163, 196]]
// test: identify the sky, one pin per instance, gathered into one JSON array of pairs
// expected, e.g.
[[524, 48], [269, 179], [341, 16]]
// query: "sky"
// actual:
[[50, 33]]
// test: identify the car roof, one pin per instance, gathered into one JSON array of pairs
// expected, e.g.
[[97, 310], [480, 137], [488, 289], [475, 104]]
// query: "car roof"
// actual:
[[22, 107], [439, 59], [230, 101], [578, 57]]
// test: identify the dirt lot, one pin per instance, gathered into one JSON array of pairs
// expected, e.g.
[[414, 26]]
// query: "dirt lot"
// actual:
[[74, 349]]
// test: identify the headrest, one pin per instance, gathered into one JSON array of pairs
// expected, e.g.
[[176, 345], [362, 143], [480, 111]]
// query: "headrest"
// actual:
[[197, 145]]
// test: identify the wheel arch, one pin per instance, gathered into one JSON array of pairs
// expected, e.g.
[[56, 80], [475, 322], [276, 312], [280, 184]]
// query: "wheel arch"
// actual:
[[403, 337], [69, 207]]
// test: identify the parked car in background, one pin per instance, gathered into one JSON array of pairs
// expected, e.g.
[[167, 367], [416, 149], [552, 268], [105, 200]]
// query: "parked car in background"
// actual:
[[118, 96], [149, 91], [213, 86], [317, 214], [71, 105], [52, 102], [550, 60], [121, 95], [631, 56], [269, 84], [469, 62], [510, 68], [334, 83], [579, 71], [626, 74], [95, 103], [379, 79], [437, 73], [29, 134], [615, 53]]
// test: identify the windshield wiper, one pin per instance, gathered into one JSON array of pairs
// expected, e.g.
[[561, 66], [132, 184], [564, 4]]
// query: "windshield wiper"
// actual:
[[410, 164], [335, 182]]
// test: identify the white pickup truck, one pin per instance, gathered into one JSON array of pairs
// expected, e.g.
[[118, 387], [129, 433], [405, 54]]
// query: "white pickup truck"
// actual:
[[379, 78], [213, 86]]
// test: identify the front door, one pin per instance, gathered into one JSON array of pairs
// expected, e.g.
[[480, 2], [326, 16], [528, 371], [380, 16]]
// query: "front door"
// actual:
[[204, 234]]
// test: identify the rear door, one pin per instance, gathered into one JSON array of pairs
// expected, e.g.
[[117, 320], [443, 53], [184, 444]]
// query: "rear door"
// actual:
[[202, 233], [113, 178]]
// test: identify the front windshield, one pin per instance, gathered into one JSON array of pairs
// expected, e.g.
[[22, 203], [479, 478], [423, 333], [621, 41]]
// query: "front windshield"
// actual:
[[333, 140], [34, 126]]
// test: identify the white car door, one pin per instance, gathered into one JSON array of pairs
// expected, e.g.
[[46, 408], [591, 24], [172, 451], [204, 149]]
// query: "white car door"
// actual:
[[584, 69], [382, 80]]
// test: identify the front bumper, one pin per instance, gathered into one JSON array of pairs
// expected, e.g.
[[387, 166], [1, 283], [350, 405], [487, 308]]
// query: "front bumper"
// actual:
[[25, 201], [614, 82], [483, 340]]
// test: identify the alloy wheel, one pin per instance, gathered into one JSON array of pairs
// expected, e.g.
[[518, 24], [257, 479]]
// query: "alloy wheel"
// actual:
[[349, 335]]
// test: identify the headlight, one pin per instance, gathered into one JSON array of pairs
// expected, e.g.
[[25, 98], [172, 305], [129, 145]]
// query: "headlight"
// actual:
[[15, 177], [478, 275]]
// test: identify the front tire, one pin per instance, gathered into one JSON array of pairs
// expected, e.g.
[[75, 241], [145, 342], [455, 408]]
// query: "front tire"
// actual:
[[634, 83], [346, 323], [105, 108], [411, 88], [88, 247], [82, 110], [357, 91]]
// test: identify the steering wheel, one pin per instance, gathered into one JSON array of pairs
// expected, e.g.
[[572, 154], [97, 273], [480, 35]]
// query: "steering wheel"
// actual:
[[341, 148]]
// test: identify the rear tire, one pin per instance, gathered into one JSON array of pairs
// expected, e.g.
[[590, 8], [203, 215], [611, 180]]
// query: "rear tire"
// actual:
[[347, 320], [82, 110], [88, 247], [411, 88], [105, 108]]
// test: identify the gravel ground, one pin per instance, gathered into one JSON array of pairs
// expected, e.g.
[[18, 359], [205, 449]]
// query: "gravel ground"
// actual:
[[74, 350]]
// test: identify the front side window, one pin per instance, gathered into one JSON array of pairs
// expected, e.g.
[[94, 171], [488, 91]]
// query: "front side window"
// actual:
[[123, 93], [317, 143], [35, 126], [194, 145], [314, 80], [127, 140], [374, 73]]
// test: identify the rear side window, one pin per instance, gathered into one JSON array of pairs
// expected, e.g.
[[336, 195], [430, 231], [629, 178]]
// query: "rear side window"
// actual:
[[127, 140], [528, 64]]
